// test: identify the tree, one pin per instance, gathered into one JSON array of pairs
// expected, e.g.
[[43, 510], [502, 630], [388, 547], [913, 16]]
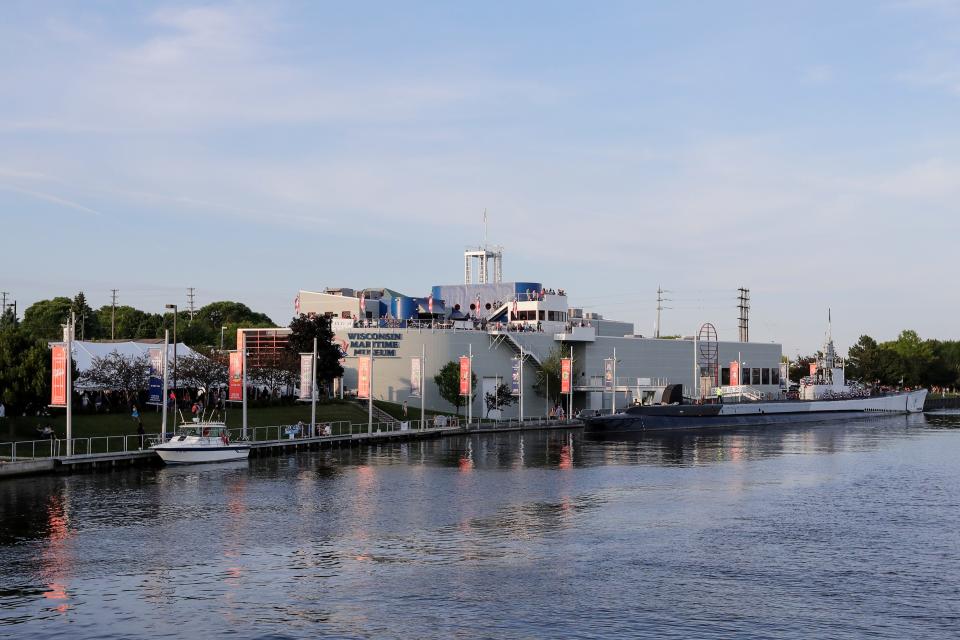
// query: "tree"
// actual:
[[44, 319], [304, 329], [206, 372], [130, 323], [117, 372], [498, 398], [24, 370], [87, 326], [548, 376], [282, 371], [448, 384], [863, 360]]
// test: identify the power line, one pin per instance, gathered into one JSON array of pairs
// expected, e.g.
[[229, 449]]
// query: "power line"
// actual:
[[113, 312], [743, 322], [660, 307]]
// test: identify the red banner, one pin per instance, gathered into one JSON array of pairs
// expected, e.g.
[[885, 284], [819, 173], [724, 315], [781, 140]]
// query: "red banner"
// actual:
[[363, 377], [565, 375], [58, 386], [236, 376], [813, 368], [734, 374], [464, 375]]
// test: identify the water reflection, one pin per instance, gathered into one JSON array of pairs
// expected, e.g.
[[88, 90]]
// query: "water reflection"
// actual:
[[389, 540]]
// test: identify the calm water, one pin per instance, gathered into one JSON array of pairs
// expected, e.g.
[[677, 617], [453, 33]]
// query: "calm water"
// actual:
[[839, 531]]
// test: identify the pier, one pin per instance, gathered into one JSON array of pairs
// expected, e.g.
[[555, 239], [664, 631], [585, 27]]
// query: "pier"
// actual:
[[106, 453]]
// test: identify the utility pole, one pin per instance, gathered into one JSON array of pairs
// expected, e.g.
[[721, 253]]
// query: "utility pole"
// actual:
[[660, 307], [190, 297], [743, 322], [113, 314], [3, 307]]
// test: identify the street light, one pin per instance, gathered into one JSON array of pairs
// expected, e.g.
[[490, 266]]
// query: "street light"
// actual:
[[221, 338], [174, 307]]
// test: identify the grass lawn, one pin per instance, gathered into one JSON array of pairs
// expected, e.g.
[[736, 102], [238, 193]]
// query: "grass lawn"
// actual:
[[413, 410], [111, 424]]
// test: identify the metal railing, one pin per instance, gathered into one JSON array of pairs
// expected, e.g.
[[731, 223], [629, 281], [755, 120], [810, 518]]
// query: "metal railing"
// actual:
[[104, 445]]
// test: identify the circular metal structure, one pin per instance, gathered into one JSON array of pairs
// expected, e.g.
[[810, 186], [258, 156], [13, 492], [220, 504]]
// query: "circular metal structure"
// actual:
[[709, 350]]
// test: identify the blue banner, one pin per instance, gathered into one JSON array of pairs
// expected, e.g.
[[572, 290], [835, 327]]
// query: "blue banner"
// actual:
[[515, 377], [155, 390]]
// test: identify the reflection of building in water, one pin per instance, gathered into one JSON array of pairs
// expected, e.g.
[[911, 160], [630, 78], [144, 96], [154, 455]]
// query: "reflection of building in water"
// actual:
[[498, 320]]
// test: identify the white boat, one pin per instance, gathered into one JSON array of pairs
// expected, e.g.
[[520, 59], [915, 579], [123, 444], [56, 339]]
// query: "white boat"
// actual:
[[201, 442]]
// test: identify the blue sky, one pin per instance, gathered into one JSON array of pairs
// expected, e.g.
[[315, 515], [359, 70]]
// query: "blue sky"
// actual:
[[808, 151]]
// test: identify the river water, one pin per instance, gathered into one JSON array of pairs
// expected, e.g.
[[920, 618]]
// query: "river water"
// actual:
[[835, 531]]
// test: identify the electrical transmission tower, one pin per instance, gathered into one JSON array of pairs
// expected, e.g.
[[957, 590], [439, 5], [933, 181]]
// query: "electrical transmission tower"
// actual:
[[113, 313], [743, 322], [660, 307], [190, 296]]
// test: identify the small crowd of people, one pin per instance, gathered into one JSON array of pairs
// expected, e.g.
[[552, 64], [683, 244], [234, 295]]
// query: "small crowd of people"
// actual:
[[557, 412]]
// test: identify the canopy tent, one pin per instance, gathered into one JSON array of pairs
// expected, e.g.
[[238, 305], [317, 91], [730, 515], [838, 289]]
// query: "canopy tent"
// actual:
[[85, 352]]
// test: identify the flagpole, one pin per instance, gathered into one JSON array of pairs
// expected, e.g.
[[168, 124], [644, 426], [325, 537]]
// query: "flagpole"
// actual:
[[313, 390], [244, 363], [521, 384], [163, 401], [423, 391], [570, 384], [470, 394], [69, 372], [370, 398]]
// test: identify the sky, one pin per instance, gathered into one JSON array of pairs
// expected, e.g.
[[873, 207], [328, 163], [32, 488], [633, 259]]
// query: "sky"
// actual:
[[809, 151]]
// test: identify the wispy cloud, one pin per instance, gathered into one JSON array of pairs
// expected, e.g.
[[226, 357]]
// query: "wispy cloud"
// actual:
[[49, 197]]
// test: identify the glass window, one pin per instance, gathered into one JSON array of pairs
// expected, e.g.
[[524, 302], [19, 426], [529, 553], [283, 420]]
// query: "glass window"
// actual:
[[745, 376], [755, 375], [542, 316], [775, 376], [725, 376], [766, 376]]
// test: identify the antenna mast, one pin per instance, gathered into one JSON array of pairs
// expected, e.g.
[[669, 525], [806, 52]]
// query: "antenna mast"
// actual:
[[660, 307], [743, 322]]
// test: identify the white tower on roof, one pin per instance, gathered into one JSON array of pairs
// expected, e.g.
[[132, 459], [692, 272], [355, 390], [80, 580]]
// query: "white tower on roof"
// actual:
[[484, 254]]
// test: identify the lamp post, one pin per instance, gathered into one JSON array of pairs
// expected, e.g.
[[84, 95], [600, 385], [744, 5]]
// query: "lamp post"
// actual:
[[221, 337], [174, 307]]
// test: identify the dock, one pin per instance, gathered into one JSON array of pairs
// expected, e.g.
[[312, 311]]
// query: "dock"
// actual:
[[35, 462]]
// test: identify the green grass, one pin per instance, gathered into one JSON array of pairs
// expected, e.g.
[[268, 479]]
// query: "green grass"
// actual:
[[413, 410], [114, 424]]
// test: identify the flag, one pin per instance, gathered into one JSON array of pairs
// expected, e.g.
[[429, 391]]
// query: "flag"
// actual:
[[58, 373], [478, 304], [363, 306], [430, 304], [363, 377], [565, 375], [296, 304], [516, 308], [465, 382]]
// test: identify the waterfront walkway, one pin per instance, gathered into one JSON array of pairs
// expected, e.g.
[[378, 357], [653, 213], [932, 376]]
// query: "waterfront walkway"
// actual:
[[110, 452]]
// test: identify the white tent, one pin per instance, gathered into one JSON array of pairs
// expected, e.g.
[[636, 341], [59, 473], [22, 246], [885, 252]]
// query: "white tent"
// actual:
[[85, 352]]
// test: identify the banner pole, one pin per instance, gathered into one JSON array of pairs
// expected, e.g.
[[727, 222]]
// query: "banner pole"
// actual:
[[313, 390], [244, 366], [423, 390], [370, 398], [470, 387], [570, 384], [166, 382], [69, 372]]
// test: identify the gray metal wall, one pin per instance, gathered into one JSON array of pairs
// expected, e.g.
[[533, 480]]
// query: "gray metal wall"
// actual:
[[638, 358]]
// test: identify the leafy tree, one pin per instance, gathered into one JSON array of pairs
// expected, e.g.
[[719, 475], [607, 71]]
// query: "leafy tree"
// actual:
[[498, 398], [87, 326], [448, 384], [44, 319], [24, 370], [117, 372], [304, 329], [863, 360], [130, 323], [207, 372], [282, 372], [548, 376]]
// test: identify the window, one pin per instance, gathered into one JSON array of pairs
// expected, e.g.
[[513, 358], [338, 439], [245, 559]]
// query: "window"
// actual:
[[541, 314], [775, 376], [766, 376], [755, 375], [745, 376], [725, 376]]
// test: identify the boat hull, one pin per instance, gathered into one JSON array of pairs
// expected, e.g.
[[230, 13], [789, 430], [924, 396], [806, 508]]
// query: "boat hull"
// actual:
[[713, 416], [197, 455]]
